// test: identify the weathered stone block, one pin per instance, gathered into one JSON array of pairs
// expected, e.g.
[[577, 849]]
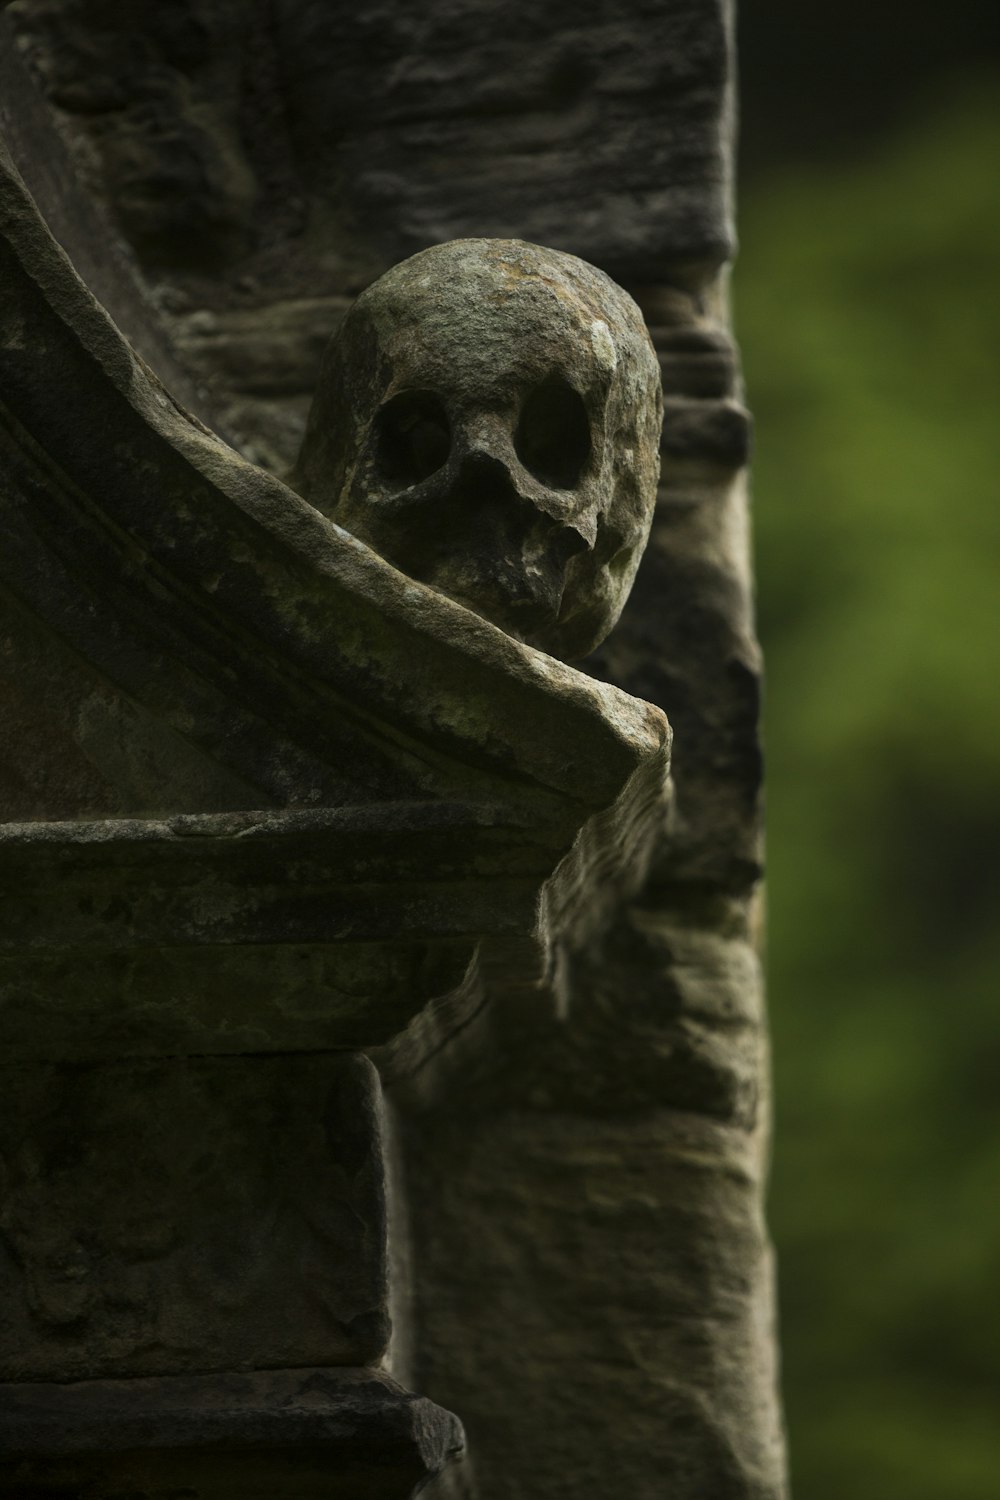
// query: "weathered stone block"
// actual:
[[160, 1217]]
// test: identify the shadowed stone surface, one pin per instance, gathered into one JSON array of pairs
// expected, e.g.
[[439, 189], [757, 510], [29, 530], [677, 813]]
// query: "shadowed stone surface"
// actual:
[[190, 1215], [304, 1434], [267, 162], [391, 130], [273, 932]]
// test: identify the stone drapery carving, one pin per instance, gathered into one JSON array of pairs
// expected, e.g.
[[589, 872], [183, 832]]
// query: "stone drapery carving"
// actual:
[[488, 418]]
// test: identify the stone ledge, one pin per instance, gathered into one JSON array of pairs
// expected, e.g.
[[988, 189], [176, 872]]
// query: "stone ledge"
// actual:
[[260, 1436], [262, 932]]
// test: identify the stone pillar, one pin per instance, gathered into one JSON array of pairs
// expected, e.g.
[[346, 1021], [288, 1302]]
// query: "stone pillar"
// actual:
[[578, 1093]]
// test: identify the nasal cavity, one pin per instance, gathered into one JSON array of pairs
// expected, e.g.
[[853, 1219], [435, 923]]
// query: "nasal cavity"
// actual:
[[552, 439], [487, 471], [412, 438]]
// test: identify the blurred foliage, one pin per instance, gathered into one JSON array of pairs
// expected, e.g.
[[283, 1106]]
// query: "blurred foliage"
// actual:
[[867, 306]]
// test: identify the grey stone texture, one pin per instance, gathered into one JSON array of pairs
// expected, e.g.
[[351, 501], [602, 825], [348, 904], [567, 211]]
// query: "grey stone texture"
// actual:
[[578, 1093]]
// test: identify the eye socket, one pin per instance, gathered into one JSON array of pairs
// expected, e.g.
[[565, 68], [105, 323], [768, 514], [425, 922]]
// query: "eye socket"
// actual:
[[412, 437], [553, 434]]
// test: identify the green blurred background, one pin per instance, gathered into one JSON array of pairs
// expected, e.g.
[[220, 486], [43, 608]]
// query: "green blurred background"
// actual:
[[868, 308]]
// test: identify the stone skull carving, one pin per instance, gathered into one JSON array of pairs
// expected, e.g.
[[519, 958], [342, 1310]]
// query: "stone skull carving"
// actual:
[[488, 419]]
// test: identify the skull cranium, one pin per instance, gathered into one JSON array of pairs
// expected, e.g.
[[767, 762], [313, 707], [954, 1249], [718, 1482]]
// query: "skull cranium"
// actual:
[[487, 419]]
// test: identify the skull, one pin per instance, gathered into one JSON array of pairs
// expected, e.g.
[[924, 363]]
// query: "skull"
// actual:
[[487, 419]]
